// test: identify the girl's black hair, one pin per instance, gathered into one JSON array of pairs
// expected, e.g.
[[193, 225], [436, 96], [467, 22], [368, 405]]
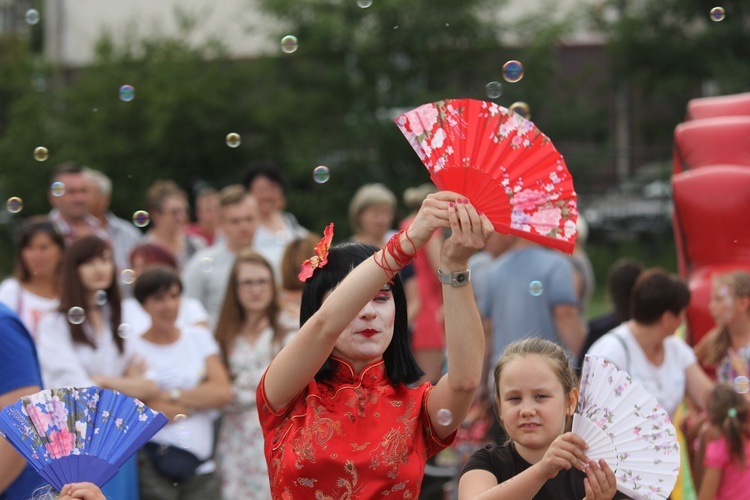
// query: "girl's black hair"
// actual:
[[400, 365]]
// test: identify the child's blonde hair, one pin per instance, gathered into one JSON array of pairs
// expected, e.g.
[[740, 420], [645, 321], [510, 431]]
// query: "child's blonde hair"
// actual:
[[552, 353], [739, 282], [728, 411]]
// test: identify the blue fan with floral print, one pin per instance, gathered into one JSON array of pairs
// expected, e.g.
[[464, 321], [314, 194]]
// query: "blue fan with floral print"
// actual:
[[78, 434]]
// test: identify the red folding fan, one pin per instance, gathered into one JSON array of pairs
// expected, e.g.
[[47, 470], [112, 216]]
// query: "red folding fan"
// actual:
[[501, 162]]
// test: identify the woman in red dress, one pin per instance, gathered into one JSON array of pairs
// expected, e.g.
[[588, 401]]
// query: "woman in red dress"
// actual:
[[338, 417]]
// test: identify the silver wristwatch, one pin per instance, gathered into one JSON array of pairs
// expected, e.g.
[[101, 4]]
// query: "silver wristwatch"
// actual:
[[457, 278]]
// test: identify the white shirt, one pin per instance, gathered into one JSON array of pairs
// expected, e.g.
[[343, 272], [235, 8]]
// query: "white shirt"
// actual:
[[666, 382], [29, 306], [181, 365], [67, 363], [191, 313]]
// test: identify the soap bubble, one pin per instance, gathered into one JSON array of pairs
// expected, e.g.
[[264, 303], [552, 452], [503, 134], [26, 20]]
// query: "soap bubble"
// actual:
[[233, 139], [100, 297], [512, 71], [127, 93], [123, 331], [444, 416], [718, 14], [206, 264], [41, 153], [14, 204], [141, 218], [57, 189], [127, 276], [493, 90], [363, 4], [521, 108], [289, 44], [76, 315], [742, 385], [536, 288], [32, 16], [321, 174]]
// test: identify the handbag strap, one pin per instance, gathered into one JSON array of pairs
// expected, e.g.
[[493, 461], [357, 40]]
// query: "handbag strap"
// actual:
[[627, 351]]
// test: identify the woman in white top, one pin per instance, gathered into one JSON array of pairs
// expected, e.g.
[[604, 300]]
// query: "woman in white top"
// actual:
[[250, 335], [191, 312], [34, 289], [371, 213], [78, 344], [647, 348], [185, 363]]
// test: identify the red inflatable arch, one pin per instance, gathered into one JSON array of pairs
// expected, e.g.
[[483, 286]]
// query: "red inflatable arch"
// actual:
[[700, 143], [711, 207], [712, 107]]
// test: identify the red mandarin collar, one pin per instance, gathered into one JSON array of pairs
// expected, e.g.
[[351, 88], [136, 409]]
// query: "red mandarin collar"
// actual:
[[371, 375]]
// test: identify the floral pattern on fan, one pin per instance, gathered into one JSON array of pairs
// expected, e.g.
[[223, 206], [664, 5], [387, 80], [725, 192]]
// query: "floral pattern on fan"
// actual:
[[496, 151], [78, 434], [646, 446]]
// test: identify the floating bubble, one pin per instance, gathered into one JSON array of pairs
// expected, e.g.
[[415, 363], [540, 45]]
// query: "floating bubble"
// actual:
[[233, 139], [57, 189], [363, 4], [206, 264], [536, 288], [76, 315], [741, 385], [127, 93], [513, 71], [289, 44], [444, 416], [321, 174], [493, 90], [521, 108], [124, 330], [100, 297], [127, 276], [718, 14], [178, 417], [41, 153], [14, 204], [141, 218], [32, 16]]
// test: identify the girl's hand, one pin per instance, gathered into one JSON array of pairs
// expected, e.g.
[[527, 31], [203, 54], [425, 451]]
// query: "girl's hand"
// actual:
[[565, 452], [469, 233], [84, 491], [600, 482]]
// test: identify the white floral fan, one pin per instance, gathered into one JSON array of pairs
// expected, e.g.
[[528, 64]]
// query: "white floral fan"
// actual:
[[623, 424]]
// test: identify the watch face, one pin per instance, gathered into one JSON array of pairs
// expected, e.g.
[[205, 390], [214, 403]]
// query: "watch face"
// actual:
[[460, 278]]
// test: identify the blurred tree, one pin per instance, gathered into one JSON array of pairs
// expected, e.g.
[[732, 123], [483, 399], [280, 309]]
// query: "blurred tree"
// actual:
[[671, 51]]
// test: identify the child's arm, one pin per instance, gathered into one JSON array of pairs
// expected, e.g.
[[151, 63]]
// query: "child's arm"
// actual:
[[710, 483], [482, 485], [565, 452]]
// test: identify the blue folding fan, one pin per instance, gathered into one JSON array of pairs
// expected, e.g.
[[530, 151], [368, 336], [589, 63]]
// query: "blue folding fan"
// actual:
[[73, 434]]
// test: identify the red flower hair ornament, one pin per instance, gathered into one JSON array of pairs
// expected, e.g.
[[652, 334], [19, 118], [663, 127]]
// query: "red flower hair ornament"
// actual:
[[320, 258]]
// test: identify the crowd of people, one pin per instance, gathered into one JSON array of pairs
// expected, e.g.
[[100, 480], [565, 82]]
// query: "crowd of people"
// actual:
[[357, 376]]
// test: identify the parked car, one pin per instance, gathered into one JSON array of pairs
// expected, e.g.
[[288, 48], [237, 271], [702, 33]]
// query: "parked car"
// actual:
[[639, 207]]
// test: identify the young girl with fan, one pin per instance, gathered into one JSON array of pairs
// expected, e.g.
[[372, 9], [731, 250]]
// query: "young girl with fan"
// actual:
[[726, 464], [338, 417], [536, 395]]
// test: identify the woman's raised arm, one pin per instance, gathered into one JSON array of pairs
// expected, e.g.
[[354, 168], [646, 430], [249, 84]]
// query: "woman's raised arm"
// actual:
[[298, 362]]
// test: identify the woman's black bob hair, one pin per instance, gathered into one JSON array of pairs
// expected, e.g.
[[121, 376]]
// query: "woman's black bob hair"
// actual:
[[400, 365]]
